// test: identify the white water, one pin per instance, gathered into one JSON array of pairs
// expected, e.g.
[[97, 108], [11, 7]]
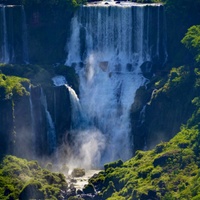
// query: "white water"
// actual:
[[89, 141], [4, 46], [32, 122], [59, 80], [8, 40], [51, 133], [112, 43], [142, 115], [25, 38]]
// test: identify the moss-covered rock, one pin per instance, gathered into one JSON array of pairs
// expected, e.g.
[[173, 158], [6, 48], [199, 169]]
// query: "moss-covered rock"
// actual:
[[22, 179], [169, 171], [115, 164], [89, 189], [169, 106], [31, 191]]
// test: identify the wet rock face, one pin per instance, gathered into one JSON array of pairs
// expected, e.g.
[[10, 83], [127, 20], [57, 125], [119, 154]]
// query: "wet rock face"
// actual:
[[157, 115], [6, 127], [31, 191], [24, 126], [60, 109], [146, 68], [48, 30], [58, 106]]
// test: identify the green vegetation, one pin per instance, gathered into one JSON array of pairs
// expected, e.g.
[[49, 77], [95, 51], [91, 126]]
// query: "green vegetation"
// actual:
[[192, 41], [169, 170], [180, 15], [39, 74], [180, 80], [12, 86], [22, 179]]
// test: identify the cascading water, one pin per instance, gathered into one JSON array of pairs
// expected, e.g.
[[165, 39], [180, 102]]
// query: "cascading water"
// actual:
[[108, 46], [76, 108], [13, 34], [51, 133], [4, 43], [25, 37], [32, 121]]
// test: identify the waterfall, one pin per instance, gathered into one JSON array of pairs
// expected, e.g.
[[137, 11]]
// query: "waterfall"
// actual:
[[25, 38], [107, 47], [4, 45], [32, 121], [76, 107], [51, 133], [13, 34], [78, 118], [158, 32], [142, 116]]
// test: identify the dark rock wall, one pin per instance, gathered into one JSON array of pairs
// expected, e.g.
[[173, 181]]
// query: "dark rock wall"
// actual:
[[158, 116], [24, 133], [60, 108], [22, 126], [48, 30], [6, 127]]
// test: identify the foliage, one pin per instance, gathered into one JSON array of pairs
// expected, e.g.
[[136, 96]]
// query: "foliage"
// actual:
[[114, 164], [192, 41], [37, 74], [176, 77], [40, 74], [12, 86], [89, 189], [171, 169], [169, 179], [17, 176], [179, 80], [180, 15]]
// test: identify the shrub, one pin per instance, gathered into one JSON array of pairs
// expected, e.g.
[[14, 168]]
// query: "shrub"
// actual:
[[142, 173], [109, 190], [115, 164], [156, 172], [89, 189]]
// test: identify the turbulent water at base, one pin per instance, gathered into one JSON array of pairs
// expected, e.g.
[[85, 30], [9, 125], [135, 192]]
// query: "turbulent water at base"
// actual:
[[107, 47], [13, 34]]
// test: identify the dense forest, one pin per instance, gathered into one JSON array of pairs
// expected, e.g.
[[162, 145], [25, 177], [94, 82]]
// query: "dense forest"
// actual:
[[168, 170]]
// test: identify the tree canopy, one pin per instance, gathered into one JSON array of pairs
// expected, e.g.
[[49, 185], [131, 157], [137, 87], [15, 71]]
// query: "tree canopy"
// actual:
[[192, 41]]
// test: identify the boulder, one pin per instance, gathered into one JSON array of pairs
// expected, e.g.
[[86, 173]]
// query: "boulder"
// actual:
[[31, 191], [78, 172]]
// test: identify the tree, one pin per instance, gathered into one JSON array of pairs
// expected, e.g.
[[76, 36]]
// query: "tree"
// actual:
[[192, 41]]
